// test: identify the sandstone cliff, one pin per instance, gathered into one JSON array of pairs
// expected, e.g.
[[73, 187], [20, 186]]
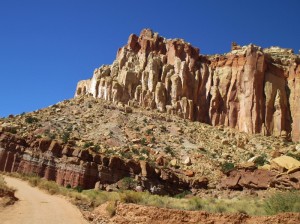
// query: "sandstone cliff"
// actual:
[[74, 167], [251, 89]]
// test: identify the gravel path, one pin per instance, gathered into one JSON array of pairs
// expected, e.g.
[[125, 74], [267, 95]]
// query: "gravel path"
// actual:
[[37, 207]]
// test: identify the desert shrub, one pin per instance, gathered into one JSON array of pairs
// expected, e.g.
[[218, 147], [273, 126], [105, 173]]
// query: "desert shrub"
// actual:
[[163, 129], [131, 197], [282, 202], [153, 139], [142, 158], [135, 151], [144, 141], [78, 188], [7, 194], [97, 148], [128, 183], [12, 130], [111, 208], [227, 166], [31, 120], [88, 144], [182, 194], [49, 186], [149, 131], [295, 156], [65, 136], [195, 204], [145, 151], [126, 155], [4, 189], [34, 180], [261, 160], [169, 150]]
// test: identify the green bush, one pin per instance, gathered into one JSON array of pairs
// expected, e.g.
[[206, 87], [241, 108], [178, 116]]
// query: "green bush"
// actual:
[[135, 151], [31, 120], [169, 150], [182, 194], [131, 197], [97, 148], [88, 144], [65, 136], [78, 189], [227, 166], [282, 202], [49, 186], [295, 156], [149, 131], [128, 183], [145, 151], [261, 160], [144, 141]]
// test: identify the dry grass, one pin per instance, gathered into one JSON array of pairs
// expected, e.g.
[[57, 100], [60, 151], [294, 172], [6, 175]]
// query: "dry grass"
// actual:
[[90, 199], [7, 194]]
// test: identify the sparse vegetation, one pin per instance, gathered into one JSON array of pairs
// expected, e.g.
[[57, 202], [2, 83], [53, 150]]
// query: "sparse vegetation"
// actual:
[[283, 202], [227, 166], [279, 202], [261, 160], [6, 193], [87, 145], [143, 141], [126, 155], [97, 148], [65, 136], [149, 131], [111, 208], [294, 155], [128, 183], [169, 150], [145, 151], [31, 120]]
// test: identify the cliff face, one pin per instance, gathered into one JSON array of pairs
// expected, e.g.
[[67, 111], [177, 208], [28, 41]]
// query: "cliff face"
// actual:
[[251, 89], [73, 167]]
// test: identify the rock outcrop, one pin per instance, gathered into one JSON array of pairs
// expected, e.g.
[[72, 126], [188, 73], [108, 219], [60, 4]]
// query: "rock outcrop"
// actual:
[[251, 89], [71, 166], [282, 173]]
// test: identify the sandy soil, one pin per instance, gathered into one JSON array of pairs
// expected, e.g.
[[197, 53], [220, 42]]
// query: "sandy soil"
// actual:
[[37, 207]]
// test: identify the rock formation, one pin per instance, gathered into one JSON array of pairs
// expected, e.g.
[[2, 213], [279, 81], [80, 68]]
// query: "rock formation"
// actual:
[[251, 89], [73, 167]]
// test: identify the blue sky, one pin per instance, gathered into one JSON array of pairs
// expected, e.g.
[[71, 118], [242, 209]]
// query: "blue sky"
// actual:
[[47, 46]]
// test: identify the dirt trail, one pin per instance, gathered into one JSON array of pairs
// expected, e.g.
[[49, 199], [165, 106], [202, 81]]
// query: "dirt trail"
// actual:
[[37, 207]]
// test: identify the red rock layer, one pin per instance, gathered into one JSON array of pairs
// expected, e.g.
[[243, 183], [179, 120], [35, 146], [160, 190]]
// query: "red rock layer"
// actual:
[[77, 167]]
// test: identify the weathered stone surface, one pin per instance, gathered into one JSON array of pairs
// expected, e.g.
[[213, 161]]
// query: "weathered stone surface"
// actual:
[[77, 167], [240, 179], [253, 178], [251, 89]]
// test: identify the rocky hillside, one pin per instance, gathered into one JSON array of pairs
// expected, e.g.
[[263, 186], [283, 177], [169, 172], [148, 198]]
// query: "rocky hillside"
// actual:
[[251, 89], [130, 127], [90, 142]]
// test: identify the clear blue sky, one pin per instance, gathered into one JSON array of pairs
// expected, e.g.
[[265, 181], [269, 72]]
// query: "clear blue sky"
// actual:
[[47, 46]]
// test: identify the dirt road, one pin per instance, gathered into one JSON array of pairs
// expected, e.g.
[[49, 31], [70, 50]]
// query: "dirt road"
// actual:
[[37, 207]]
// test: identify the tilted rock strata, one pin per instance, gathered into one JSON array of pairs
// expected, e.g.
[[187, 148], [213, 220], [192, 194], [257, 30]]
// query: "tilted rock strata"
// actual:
[[78, 167], [251, 89]]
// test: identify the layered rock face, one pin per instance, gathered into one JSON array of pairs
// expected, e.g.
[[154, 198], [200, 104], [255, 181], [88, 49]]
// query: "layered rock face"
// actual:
[[70, 166], [251, 89]]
